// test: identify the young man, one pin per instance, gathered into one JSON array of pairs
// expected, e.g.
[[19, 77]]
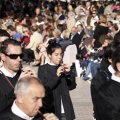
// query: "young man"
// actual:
[[10, 72]]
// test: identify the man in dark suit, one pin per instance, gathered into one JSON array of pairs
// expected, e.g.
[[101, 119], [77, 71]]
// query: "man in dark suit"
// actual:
[[79, 35], [73, 33]]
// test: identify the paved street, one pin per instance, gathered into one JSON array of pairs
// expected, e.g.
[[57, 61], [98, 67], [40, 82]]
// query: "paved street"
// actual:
[[81, 99]]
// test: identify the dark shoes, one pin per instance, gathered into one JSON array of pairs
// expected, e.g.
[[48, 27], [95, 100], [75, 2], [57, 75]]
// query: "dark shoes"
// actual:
[[85, 78], [82, 74]]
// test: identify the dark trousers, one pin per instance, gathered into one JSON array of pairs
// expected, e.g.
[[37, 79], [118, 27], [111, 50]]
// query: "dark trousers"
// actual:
[[28, 55], [63, 117]]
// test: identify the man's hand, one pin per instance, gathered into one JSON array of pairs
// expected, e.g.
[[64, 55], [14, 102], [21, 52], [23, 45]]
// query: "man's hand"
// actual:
[[27, 71], [50, 116]]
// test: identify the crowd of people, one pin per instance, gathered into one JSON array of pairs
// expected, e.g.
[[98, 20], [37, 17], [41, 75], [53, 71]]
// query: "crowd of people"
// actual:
[[53, 35]]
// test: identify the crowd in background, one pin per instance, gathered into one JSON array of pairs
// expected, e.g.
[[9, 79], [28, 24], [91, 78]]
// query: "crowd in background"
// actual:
[[85, 30]]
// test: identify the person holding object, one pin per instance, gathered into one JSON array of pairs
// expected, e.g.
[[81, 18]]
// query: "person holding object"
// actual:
[[10, 72], [29, 94], [55, 76]]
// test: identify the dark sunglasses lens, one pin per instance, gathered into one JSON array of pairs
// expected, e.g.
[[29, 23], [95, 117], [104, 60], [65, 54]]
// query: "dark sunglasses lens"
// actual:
[[16, 56]]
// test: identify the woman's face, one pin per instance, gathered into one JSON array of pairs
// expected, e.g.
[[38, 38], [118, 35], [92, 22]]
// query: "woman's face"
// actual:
[[105, 44], [118, 66], [56, 56]]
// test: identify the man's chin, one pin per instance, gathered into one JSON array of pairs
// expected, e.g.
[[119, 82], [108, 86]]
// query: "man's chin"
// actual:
[[16, 69]]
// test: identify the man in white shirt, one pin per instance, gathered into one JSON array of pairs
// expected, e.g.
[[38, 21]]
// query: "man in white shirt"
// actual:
[[29, 94]]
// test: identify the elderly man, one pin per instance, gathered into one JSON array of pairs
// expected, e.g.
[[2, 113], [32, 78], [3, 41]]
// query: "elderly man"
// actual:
[[10, 72], [29, 94]]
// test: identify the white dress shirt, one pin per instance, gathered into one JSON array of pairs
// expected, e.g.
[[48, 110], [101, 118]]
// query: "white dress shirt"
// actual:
[[19, 113], [7, 73]]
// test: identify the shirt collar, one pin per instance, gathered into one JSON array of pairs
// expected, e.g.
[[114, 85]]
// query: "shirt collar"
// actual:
[[19, 113], [111, 70], [79, 32], [115, 78], [52, 64], [7, 73]]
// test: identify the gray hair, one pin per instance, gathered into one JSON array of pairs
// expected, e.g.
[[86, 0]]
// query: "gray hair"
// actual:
[[56, 32], [72, 14], [89, 31], [77, 9], [23, 84], [66, 34]]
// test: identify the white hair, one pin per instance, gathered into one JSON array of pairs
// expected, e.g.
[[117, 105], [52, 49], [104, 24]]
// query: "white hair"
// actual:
[[56, 32], [71, 14], [66, 34], [19, 28], [24, 83]]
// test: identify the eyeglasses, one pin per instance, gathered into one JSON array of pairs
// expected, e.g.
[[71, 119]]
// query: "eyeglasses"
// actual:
[[14, 56]]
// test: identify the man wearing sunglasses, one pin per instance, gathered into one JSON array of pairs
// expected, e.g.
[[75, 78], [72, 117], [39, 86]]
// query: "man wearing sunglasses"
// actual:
[[10, 72]]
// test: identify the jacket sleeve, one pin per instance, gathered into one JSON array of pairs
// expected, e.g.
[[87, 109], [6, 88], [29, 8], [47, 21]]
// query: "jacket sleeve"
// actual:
[[6, 100], [48, 79], [2, 102]]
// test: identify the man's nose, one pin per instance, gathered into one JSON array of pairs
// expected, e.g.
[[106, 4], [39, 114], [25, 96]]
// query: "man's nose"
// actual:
[[18, 58], [39, 103]]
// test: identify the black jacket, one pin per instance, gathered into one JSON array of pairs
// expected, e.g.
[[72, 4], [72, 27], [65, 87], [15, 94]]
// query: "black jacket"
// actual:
[[77, 38], [6, 91], [9, 115], [47, 74]]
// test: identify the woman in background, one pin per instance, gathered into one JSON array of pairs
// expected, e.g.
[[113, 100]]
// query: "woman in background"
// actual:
[[100, 29]]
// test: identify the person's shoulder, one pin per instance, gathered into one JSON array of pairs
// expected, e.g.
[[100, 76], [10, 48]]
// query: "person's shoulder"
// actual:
[[5, 118], [6, 115], [42, 67]]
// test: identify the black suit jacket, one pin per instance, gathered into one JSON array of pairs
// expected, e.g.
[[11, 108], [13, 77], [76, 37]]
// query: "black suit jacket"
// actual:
[[9, 115], [6, 91], [77, 39]]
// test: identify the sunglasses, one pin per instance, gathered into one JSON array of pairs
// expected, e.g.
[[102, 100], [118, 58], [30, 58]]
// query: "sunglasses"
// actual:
[[14, 56]]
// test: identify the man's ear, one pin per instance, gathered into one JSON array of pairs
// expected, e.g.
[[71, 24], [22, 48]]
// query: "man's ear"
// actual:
[[2, 56], [19, 97]]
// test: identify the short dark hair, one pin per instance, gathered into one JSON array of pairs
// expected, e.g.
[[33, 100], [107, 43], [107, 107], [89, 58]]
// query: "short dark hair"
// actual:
[[110, 49], [4, 45], [111, 23], [116, 58], [4, 33], [34, 28], [80, 25], [10, 27], [115, 26], [117, 37]]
